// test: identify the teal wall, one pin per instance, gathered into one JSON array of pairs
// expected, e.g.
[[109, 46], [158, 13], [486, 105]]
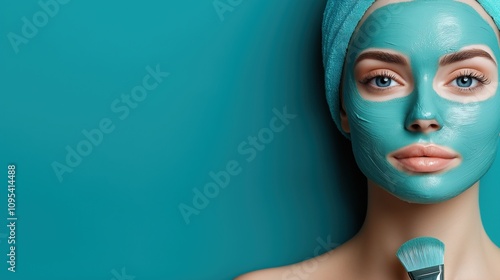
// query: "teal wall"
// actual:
[[119, 114]]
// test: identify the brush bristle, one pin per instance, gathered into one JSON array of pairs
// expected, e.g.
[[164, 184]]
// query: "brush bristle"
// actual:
[[421, 252]]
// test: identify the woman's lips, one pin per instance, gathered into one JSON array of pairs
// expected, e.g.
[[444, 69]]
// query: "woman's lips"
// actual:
[[424, 159]]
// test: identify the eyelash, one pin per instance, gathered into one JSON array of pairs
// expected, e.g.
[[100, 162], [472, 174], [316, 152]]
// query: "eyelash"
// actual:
[[481, 78], [386, 74]]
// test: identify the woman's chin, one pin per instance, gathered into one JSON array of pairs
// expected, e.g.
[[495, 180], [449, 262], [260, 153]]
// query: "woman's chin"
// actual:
[[426, 193]]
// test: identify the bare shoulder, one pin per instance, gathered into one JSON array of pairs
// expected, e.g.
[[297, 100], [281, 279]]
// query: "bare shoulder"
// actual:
[[264, 274], [327, 266]]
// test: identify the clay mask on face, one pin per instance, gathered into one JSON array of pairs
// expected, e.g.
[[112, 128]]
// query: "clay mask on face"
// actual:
[[420, 92]]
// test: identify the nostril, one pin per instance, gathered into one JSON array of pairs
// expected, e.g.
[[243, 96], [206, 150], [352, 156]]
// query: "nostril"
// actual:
[[434, 126], [425, 126]]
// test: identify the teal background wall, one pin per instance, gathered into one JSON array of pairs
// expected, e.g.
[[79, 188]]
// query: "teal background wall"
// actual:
[[71, 69]]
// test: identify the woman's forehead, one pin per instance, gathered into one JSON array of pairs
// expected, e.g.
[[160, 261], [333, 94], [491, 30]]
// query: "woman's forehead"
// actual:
[[424, 31], [473, 3]]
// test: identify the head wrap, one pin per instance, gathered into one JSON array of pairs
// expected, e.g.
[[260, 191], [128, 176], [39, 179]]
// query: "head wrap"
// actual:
[[339, 22]]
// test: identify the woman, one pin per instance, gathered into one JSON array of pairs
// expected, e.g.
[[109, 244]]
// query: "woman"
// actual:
[[420, 102]]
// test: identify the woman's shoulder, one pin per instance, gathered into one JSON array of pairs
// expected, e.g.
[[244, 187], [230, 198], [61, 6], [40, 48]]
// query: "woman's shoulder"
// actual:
[[325, 266], [264, 274]]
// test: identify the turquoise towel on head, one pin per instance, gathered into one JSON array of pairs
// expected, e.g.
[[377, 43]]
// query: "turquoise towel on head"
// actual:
[[492, 7], [339, 22]]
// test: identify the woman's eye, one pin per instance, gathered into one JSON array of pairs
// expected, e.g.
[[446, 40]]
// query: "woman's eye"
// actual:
[[383, 82], [465, 82]]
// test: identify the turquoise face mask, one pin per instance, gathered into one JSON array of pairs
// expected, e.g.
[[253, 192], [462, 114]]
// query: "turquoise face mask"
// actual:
[[430, 136]]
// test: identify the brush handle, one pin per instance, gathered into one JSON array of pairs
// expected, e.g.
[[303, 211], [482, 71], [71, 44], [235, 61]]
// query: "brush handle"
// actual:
[[429, 273]]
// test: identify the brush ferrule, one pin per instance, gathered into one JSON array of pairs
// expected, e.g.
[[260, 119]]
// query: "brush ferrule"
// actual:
[[428, 273]]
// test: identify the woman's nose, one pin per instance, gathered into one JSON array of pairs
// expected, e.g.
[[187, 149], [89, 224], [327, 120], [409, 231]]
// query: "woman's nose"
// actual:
[[423, 116]]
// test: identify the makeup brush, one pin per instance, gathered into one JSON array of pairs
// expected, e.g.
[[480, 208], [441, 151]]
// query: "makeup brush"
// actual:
[[423, 258]]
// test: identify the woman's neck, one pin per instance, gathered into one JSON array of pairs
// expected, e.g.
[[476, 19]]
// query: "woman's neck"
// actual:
[[457, 222]]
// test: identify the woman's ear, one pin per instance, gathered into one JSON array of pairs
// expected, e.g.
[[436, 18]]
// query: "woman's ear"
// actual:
[[344, 121]]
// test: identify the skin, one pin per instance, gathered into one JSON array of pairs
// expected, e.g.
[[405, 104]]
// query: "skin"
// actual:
[[421, 110]]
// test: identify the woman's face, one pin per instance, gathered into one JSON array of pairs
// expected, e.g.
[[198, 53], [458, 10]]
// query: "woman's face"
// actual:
[[420, 95]]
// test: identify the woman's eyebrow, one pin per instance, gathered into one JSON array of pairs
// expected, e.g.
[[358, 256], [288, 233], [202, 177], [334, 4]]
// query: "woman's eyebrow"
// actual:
[[464, 55], [383, 56]]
